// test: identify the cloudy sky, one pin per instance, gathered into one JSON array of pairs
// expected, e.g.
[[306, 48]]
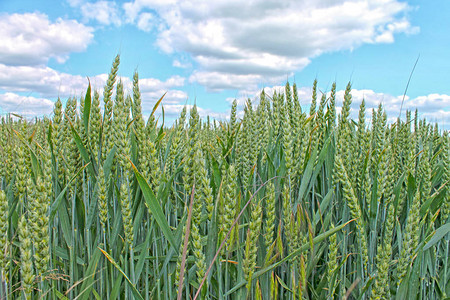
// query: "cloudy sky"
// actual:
[[210, 52]]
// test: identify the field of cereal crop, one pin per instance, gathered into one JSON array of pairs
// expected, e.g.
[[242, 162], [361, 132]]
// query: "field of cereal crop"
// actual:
[[96, 203]]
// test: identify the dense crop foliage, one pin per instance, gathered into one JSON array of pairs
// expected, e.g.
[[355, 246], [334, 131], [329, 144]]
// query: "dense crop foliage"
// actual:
[[279, 204]]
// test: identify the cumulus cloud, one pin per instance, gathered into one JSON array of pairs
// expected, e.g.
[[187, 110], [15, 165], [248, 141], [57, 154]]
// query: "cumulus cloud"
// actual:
[[393, 104], [152, 89], [240, 42], [32, 39], [146, 22], [441, 117], [46, 83], [181, 64], [40, 79], [133, 9], [172, 112], [219, 81], [171, 98], [26, 106], [304, 94], [104, 12], [146, 84], [387, 36], [30, 107], [432, 107], [51, 83]]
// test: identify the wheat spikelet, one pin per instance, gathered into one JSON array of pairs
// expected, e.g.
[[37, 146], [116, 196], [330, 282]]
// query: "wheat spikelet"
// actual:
[[3, 232], [253, 231], [107, 126], [355, 209], [101, 193], [26, 263], [269, 224], [446, 177], [228, 202], [126, 214], [410, 239], [43, 195], [287, 213], [381, 288], [320, 122], [22, 172], [331, 112], [197, 249], [332, 263], [95, 125], [312, 108]]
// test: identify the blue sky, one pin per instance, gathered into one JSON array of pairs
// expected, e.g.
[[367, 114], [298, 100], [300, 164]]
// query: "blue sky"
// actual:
[[210, 52]]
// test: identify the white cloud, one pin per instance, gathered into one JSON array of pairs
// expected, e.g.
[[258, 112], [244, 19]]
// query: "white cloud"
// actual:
[[387, 34], [75, 3], [304, 94], [32, 39], [172, 97], [30, 107], [25, 105], [51, 83], [133, 9], [432, 107], [181, 64], [219, 81], [146, 84], [47, 83], [425, 104], [152, 89], [172, 111], [40, 79], [441, 117], [241, 42], [104, 12], [146, 21]]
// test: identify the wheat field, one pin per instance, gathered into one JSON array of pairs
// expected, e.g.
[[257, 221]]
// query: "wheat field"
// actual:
[[97, 203]]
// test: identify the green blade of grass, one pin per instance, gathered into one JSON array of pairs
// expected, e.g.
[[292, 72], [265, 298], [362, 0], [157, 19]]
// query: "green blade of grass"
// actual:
[[87, 108], [57, 202], [437, 236], [303, 248], [155, 208], [114, 263], [87, 285]]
